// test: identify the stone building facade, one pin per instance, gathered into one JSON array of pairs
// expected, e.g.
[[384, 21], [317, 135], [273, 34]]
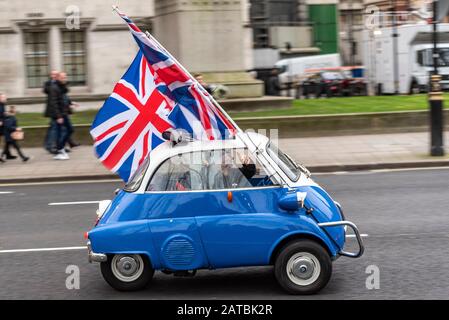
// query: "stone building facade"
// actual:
[[93, 45], [86, 40]]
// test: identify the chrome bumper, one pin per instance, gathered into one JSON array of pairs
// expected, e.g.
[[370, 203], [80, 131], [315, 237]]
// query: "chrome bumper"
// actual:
[[357, 236], [95, 257]]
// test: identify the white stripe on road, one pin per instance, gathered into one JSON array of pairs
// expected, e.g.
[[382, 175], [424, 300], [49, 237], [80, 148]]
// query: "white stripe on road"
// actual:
[[6, 192], [407, 169], [20, 184], [363, 235], [372, 171], [43, 249], [70, 203]]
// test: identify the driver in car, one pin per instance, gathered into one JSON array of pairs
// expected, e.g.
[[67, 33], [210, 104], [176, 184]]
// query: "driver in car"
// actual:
[[232, 176]]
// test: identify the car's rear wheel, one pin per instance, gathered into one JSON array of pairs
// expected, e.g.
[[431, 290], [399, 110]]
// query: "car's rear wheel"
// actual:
[[303, 267], [127, 272]]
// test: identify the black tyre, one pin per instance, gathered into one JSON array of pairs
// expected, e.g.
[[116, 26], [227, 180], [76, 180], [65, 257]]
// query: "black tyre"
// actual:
[[127, 272], [303, 267]]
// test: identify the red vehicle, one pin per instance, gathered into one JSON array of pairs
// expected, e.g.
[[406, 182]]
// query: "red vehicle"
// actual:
[[324, 83], [333, 82]]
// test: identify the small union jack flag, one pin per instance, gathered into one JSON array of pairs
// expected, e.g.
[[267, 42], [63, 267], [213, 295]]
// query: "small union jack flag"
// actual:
[[131, 122]]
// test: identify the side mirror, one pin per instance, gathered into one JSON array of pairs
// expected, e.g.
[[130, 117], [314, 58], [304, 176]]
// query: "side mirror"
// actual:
[[292, 201]]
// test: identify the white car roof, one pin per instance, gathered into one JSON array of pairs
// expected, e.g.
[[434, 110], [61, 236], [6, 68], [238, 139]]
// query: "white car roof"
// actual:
[[166, 149], [250, 140]]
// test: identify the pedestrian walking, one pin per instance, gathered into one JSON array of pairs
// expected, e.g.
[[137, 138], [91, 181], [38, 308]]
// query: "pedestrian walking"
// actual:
[[68, 106], [13, 133], [3, 101], [274, 88], [2, 116], [50, 138], [57, 111]]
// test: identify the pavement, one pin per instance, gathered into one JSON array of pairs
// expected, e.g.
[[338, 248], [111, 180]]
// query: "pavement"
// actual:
[[320, 154], [403, 214]]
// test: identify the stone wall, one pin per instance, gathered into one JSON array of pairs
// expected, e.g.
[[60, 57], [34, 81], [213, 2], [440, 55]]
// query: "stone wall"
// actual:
[[109, 46]]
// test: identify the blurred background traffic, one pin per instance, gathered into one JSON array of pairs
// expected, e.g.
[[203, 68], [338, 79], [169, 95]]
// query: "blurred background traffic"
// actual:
[[260, 58]]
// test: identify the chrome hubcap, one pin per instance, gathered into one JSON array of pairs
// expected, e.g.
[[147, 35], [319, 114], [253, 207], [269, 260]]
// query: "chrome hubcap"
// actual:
[[127, 268], [303, 268]]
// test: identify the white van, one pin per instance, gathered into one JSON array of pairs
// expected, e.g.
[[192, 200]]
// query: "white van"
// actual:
[[414, 57], [294, 68]]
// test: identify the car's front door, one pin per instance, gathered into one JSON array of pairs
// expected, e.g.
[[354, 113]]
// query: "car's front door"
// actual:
[[238, 219], [173, 196]]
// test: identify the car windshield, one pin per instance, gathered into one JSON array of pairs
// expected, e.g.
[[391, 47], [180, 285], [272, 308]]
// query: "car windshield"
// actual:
[[426, 57], [444, 57], [136, 180], [283, 161]]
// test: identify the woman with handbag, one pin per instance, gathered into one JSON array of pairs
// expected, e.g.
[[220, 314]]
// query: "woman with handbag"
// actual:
[[12, 134]]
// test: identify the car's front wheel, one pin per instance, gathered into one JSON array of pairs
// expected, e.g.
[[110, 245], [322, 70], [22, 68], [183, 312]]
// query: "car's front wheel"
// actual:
[[303, 267], [127, 272]]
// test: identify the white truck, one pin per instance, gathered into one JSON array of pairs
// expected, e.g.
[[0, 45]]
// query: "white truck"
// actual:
[[294, 68], [414, 58]]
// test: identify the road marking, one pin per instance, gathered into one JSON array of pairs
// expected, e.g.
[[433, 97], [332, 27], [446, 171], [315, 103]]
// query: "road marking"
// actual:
[[6, 192], [43, 249], [70, 203], [338, 173], [363, 235], [372, 171], [418, 234], [19, 184], [407, 169]]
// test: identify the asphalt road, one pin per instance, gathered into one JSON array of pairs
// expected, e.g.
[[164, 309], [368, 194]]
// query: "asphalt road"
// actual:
[[405, 214]]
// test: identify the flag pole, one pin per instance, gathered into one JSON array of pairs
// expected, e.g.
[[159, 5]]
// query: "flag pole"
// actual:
[[212, 99]]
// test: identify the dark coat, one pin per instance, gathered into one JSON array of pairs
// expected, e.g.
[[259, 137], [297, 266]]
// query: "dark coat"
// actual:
[[47, 85], [2, 116], [55, 101], [274, 88], [65, 98], [2, 111], [9, 126], [46, 90]]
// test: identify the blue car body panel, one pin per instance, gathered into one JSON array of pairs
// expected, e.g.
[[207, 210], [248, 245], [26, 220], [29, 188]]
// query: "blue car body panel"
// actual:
[[207, 229]]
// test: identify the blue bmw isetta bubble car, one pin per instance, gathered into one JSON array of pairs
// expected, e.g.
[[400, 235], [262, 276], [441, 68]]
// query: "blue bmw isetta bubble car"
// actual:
[[219, 204]]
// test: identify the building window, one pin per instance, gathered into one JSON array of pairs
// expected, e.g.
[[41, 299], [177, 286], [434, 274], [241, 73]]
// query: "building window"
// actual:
[[74, 56], [267, 13], [36, 58]]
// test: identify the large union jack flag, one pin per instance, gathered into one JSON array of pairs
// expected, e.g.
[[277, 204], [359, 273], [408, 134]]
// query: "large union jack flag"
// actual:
[[196, 109], [154, 95], [131, 122]]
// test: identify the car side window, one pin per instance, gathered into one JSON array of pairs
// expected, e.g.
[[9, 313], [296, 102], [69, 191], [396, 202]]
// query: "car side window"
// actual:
[[178, 173], [210, 170]]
